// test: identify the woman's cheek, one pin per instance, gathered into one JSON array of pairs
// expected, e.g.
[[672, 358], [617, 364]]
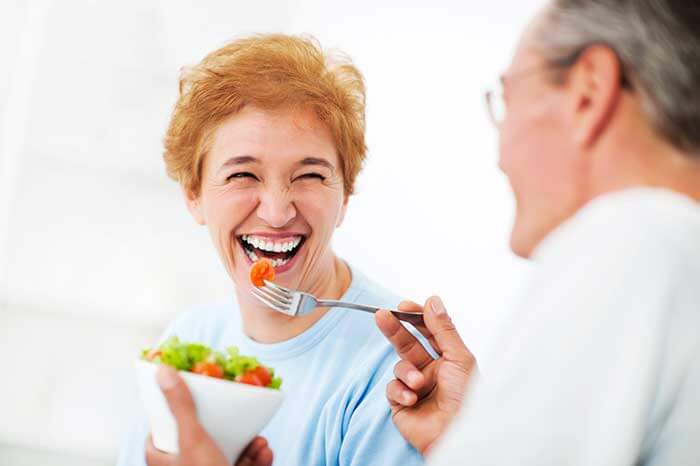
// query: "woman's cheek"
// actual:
[[320, 217]]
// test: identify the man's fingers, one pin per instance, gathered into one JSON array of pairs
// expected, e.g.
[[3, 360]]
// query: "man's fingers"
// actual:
[[409, 306], [155, 457], [409, 375], [406, 345], [399, 394], [449, 343], [421, 382], [180, 402]]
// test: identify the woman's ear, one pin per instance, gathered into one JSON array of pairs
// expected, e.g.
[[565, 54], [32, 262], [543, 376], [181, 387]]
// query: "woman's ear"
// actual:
[[194, 205]]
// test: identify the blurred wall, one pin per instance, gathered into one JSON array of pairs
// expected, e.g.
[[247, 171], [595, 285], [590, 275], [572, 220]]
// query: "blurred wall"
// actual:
[[97, 252]]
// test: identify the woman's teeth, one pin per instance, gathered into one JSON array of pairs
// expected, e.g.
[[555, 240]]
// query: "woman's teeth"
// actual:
[[275, 262], [278, 253], [271, 246]]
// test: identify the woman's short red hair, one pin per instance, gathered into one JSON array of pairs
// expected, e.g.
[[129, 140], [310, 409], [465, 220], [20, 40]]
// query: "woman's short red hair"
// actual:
[[270, 72]]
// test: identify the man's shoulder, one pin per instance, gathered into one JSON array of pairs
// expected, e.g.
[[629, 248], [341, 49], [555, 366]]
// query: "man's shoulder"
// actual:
[[629, 256], [639, 227]]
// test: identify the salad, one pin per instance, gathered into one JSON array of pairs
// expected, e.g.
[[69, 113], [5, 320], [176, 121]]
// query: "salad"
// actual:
[[200, 359]]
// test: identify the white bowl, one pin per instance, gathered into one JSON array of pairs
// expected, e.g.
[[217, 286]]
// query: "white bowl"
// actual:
[[232, 413]]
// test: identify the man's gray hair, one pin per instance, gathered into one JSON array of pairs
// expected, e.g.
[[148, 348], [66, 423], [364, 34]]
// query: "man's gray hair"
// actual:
[[658, 44]]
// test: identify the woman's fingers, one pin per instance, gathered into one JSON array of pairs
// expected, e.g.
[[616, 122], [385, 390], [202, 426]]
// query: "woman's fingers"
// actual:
[[257, 453], [399, 394], [155, 457], [406, 345], [264, 457]]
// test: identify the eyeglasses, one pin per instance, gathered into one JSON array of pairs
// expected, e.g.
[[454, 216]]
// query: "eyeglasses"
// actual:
[[495, 98], [496, 106]]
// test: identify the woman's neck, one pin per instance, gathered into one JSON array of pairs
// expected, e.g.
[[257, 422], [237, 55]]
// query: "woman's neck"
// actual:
[[264, 325]]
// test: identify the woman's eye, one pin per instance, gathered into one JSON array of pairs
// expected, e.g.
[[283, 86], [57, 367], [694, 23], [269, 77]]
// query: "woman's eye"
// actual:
[[310, 176], [241, 175]]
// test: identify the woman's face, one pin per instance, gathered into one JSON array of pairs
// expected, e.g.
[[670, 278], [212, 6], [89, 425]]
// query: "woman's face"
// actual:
[[272, 186]]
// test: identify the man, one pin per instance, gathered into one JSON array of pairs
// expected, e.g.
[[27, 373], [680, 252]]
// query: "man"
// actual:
[[601, 366]]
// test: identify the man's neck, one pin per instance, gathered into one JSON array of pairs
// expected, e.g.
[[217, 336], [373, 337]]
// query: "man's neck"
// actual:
[[656, 166], [265, 325]]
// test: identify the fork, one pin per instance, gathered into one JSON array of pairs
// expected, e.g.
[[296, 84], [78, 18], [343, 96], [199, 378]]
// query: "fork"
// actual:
[[297, 303]]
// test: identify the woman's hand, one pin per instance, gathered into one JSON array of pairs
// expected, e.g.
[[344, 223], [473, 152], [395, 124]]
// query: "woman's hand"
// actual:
[[427, 393], [196, 446]]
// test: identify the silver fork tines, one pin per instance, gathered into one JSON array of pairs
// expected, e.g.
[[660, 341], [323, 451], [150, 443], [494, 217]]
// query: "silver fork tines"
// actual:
[[270, 301], [298, 303]]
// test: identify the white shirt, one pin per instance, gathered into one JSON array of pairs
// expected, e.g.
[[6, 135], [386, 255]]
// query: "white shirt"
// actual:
[[601, 362]]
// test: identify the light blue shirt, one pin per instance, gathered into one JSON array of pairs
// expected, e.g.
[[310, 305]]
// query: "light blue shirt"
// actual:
[[335, 375]]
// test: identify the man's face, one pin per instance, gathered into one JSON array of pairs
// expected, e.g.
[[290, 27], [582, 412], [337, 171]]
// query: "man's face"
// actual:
[[537, 150]]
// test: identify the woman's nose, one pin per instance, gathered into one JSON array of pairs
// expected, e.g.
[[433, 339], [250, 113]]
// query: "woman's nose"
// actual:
[[276, 209]]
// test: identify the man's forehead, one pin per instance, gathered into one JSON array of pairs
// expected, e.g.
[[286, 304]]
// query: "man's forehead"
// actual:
[[526, 53]]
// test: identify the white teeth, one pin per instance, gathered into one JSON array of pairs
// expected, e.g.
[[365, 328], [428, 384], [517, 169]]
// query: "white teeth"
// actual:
[[271, 246], [252, 255], [279, 262]]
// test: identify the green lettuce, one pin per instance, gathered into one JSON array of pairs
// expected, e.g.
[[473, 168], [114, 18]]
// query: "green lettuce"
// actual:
[[184, 356]]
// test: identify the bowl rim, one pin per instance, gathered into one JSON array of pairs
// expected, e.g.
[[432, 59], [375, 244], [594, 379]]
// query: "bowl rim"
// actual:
[[187, 374]]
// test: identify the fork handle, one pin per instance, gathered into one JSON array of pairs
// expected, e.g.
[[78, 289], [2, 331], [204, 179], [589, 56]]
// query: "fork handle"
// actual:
[[413, 318]]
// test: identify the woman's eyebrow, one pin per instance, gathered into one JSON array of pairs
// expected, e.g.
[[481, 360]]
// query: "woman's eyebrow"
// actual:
[[317, 161], [240, 160]]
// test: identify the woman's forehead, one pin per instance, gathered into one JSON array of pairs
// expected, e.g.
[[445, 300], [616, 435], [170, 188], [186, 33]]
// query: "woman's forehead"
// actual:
[[278, 136]]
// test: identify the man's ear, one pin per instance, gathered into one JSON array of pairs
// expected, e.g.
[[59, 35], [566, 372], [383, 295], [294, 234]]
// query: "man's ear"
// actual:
[[194, 205], [343, 210], [595, 87]]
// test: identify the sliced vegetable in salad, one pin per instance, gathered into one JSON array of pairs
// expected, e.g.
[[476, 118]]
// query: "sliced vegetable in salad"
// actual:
[[200, 359]]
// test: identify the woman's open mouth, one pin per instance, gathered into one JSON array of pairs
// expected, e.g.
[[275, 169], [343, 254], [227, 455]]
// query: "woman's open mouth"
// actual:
[[280, 252]]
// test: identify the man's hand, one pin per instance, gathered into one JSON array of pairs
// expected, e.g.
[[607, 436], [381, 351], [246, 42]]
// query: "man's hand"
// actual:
[[427, 393], [196, 447]]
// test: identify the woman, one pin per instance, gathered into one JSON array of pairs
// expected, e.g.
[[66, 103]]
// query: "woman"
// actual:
[[266, 140]]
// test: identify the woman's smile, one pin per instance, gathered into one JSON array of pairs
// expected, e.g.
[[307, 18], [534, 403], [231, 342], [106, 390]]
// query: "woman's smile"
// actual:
[[281, 249]]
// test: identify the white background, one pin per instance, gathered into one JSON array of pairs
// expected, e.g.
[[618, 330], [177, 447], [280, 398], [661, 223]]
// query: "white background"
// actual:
[[97, 251]]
